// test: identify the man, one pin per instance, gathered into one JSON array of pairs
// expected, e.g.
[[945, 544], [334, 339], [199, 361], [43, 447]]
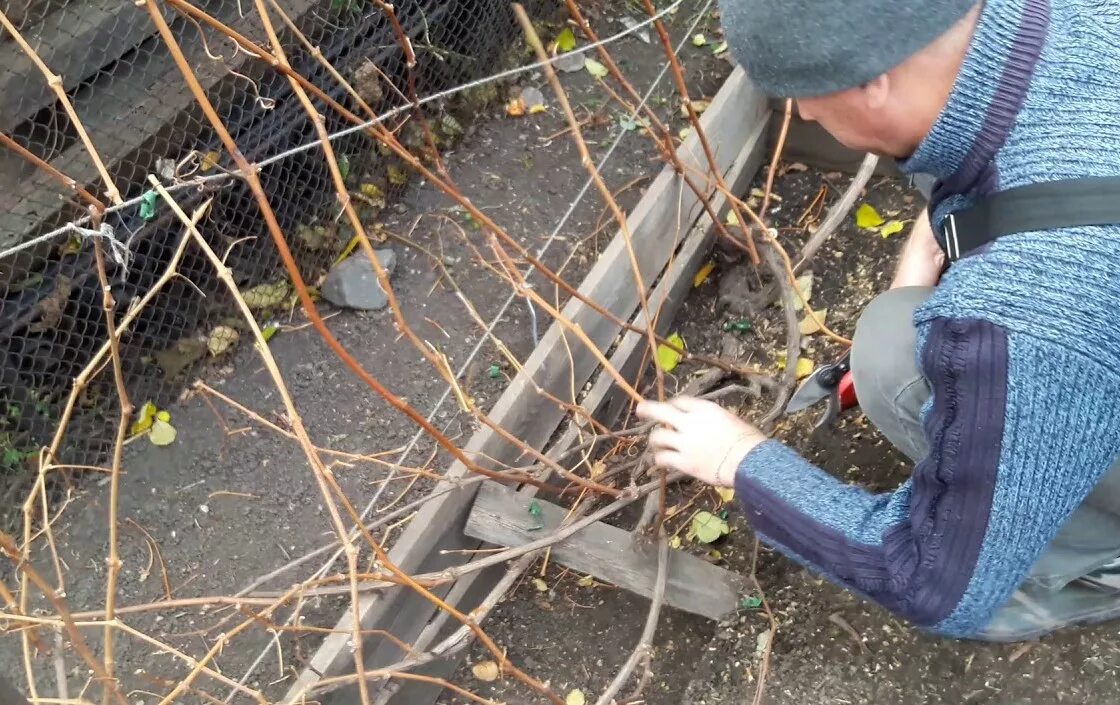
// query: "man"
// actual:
[[999, 376]]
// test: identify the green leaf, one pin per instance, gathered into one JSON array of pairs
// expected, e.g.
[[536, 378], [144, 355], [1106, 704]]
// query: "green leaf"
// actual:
[[594, 68], [720, 48], [270, 330], [892, 227], [668, 357], [628, 123], [867, 218], [344, 166], [707, 527], [148, 205], [566, 40]]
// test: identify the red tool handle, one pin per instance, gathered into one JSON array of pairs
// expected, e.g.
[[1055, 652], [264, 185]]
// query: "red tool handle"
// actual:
[[847, 392]]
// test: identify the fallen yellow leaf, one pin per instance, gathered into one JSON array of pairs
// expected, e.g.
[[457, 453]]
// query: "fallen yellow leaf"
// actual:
[[162, 432], [221, 339], [809, 325], [667, 357], [486, 671], [594, 68], [566, 40], [540, 585], [805, 287], [726, 494], [732, 219], [703, 274], [575, 697], [804, 367], [867, 218], [538, 108], [144, 419], [209, 161], [515, 108], [892, 227], [586, 581]]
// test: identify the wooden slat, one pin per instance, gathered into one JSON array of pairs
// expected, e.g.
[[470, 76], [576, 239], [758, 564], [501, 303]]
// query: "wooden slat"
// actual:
[[148, 102], [74, 41], [608, 553], [605, 400], [657, 224]]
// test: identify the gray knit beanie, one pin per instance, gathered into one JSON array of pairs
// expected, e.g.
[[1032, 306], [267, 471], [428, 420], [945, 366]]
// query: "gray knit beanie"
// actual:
[[805, 48]]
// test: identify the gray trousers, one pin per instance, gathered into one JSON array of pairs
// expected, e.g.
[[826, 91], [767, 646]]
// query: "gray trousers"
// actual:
[[892, 391]]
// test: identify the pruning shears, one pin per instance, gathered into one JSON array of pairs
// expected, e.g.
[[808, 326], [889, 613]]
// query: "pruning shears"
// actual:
[[831, 383]]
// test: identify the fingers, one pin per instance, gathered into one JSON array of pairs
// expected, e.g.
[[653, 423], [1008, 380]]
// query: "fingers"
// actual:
[[689, 404], [671, 460], [659, 412], [664, 438]]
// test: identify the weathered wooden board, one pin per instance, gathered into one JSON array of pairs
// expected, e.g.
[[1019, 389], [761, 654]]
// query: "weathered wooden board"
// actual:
[[606, 552], [604, 400], [809, 143], [151, 101], [657, 224], [75, 41]]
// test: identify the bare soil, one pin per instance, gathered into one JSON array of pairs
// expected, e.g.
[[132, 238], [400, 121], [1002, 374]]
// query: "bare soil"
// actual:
[[829, 647]]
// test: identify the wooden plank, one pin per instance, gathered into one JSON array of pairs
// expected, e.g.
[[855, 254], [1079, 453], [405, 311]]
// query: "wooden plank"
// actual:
[[605, 400], [657, 225], [607, 552], [149, 102], [75, 41], [809, 143]]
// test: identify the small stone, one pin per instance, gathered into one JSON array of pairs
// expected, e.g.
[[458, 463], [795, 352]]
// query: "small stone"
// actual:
[[569, 63], [352, 283]]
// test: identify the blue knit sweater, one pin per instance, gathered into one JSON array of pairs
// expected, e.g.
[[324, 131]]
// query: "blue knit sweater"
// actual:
[[1020, 344]]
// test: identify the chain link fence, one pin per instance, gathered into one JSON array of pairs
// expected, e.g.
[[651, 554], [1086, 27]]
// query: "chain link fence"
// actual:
[[134, 103]]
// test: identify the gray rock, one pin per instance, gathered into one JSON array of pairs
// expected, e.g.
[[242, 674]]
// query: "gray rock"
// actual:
[[352, 283]]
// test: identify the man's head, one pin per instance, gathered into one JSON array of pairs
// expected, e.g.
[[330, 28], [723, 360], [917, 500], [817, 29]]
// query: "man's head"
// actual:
[[874, 73]]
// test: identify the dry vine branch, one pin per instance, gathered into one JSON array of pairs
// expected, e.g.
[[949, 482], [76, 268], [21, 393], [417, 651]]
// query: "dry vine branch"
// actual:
[[114, 560], [838, 212], [604, 191], [642, 651]]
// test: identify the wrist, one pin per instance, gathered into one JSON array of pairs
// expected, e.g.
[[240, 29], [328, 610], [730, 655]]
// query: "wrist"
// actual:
[[725, 473]]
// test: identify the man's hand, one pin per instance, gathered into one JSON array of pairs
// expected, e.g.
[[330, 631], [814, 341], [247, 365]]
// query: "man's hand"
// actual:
[[922, 260], [699, 438]]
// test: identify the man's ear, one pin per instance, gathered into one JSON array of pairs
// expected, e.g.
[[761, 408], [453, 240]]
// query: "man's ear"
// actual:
[[876, 92]]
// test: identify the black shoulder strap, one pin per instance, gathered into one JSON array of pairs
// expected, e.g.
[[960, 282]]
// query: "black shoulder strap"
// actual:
[[1047, 206]]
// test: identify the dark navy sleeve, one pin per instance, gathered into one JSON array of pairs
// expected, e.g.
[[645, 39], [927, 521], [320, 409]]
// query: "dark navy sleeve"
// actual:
[[914, 550]]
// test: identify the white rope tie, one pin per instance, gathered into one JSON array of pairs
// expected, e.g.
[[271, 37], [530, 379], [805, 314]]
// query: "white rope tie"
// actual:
[[118, 251]]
